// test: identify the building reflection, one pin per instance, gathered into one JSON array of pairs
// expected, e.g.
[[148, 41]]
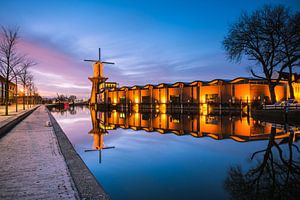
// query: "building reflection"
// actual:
[[238, 128]]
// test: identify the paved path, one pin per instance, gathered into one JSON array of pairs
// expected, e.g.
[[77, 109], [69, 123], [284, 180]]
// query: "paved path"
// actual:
[[31, 164]]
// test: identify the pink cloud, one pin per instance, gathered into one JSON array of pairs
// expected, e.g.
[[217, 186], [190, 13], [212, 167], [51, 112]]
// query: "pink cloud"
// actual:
[[56, 72]]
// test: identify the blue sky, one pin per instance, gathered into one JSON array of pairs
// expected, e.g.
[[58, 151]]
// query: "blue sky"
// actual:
[[150, 41]]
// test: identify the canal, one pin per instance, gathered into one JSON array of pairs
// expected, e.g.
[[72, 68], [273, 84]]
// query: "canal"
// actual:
[[161, 156]]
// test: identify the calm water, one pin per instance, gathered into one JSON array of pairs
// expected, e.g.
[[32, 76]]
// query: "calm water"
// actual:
[[144, 156]]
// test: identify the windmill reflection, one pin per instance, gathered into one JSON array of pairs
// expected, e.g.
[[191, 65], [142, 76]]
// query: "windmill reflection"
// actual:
[[98, 131], [275, 176]]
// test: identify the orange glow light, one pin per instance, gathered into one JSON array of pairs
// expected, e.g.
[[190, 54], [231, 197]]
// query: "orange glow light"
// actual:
[[163, 99], [204, 109], [136, 100], [163, 108]]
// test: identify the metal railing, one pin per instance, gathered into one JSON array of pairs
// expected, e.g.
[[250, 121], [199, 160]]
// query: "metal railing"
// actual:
[[282, 107]]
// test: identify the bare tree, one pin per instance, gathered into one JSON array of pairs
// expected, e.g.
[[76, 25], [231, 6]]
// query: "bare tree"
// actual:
[[259, 38], [24, 76], [35, 94], [16, 72], [61, 98], [9, 58], [290, 48], [29, 90], [72, 99]]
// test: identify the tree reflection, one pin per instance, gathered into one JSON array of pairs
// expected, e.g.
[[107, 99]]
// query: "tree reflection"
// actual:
[[276, 175]]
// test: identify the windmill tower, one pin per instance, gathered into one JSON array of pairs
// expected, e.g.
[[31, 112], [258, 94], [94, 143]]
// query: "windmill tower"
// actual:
[[98, 79]]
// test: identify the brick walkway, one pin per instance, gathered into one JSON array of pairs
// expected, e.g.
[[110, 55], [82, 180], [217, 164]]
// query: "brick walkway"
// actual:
[[31, 164]]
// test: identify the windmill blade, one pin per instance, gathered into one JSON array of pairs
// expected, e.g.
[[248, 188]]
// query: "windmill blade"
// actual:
[[112, 147], [91, 60], [100, 54], [88, 150], [108, 62]]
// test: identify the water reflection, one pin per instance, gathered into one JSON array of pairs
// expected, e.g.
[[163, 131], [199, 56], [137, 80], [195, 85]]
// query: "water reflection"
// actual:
[[275, 176], [176, 163], [238, 128]]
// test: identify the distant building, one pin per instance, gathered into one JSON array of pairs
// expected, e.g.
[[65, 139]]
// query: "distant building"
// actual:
[[219, 91], [12, 90]]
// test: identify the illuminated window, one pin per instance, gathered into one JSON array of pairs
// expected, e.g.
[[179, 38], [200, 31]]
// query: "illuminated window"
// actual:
[[211, 98], [211, 120], [176, 121], [122, 115]]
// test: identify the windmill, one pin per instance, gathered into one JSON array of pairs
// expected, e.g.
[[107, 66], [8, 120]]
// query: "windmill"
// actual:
[[98, 78]]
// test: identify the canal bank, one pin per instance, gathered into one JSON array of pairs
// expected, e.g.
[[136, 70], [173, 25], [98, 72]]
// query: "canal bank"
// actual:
[[38, 163], [85, 182]]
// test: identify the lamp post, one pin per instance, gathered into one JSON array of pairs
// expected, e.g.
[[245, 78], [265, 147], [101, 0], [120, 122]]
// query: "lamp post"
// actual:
[[16, 89], [16, 94]]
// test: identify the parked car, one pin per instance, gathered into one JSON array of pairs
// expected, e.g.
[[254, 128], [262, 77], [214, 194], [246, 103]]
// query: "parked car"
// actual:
[[292, 102], [288, 104], [279, 103]]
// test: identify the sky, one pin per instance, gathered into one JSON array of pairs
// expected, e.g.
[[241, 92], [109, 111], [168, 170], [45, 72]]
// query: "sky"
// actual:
[[151, 41]]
